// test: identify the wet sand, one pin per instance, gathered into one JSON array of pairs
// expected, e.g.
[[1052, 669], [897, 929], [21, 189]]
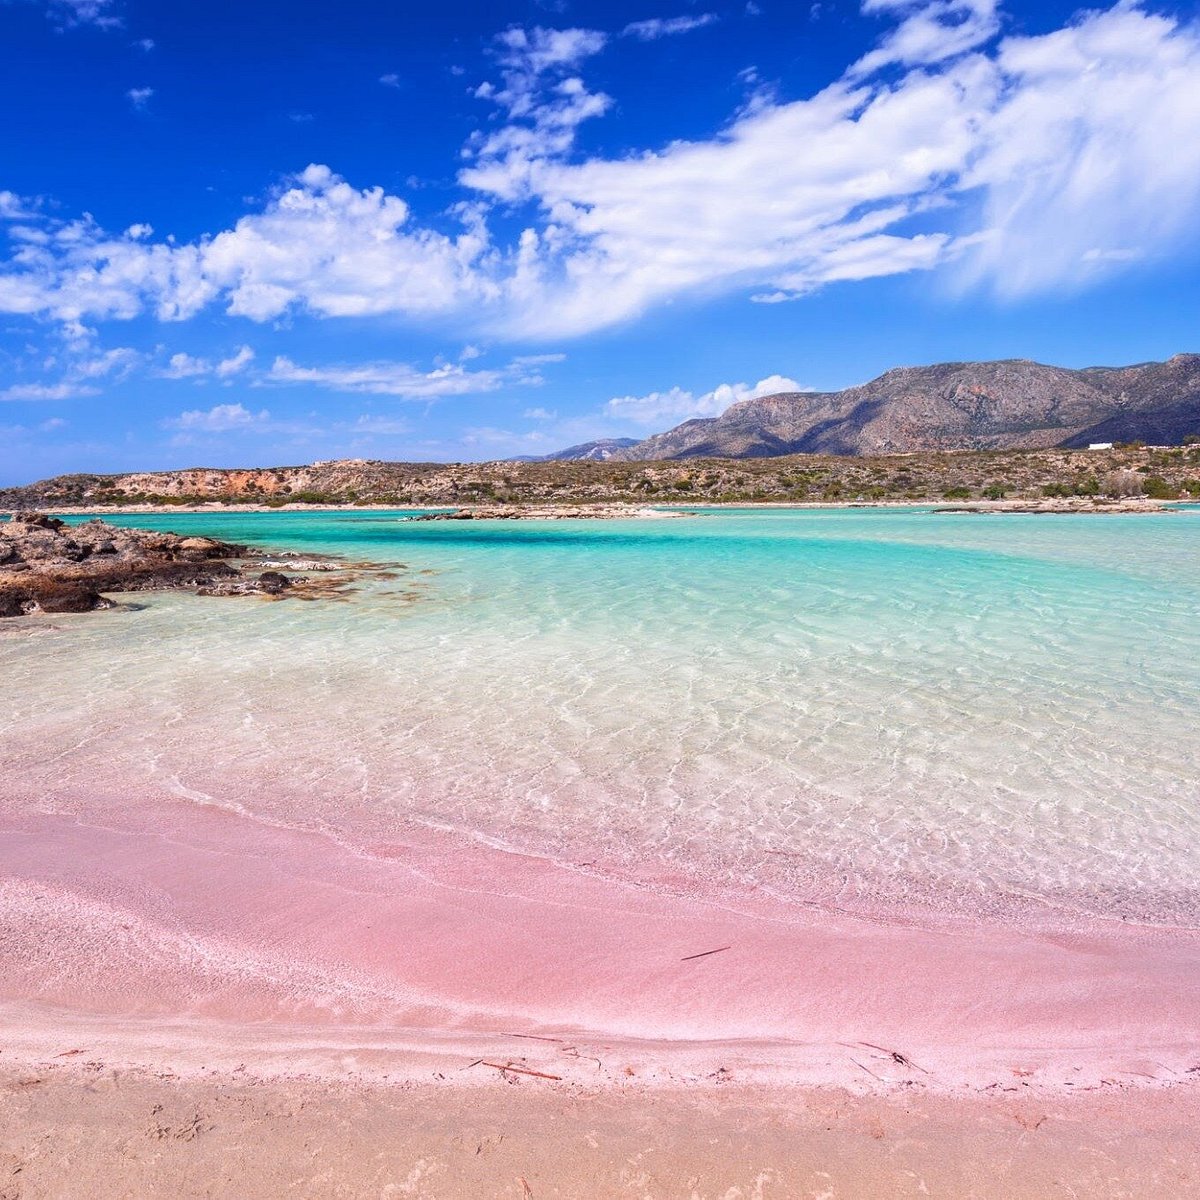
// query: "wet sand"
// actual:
[[186, 936]]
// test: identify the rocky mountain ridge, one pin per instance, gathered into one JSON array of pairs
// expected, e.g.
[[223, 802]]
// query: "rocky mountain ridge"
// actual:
[[1004, 405]]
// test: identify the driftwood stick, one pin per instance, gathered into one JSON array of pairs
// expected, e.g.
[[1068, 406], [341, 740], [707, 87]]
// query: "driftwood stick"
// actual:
[[868, 1070], [896, 1057], [704, 953], [518, 1070]]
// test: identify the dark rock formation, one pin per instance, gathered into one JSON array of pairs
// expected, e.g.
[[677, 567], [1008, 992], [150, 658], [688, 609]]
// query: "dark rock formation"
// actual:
[[49, 566]]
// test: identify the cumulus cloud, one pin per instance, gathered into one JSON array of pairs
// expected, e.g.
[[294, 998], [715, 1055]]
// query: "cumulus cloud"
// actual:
[[16, 208], [544, 100], [140, 97], [221, 418], [186, 366], [1031, 164], [339, 251], [660, 27], [679, 404]]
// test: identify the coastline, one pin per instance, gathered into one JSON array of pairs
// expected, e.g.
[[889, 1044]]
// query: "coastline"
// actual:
[[634, 508], [1034, 1080], [434, 951], [188, 983]]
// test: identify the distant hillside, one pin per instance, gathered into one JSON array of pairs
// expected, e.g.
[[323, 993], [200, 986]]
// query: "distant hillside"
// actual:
[[1161, 473], [600, 450], [1014, 404]]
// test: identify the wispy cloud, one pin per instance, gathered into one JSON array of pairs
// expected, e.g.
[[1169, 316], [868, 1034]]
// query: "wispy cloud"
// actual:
[[659, 27], [46, 391], [100, 13], [139, 97], [389, 379]]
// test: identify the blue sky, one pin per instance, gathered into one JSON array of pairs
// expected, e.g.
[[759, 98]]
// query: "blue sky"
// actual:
[[259, 232]]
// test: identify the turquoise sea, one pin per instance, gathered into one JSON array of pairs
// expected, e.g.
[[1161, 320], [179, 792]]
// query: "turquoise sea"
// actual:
[[976, 713]]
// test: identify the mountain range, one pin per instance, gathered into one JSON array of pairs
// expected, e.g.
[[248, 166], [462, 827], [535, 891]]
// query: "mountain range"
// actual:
[[1011, 404]]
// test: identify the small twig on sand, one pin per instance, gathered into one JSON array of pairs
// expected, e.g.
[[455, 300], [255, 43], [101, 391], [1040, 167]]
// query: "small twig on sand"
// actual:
[[483, 1062], [574, 1053], [704, 953], [901, 1059], [868, 1071], [533, 1037]]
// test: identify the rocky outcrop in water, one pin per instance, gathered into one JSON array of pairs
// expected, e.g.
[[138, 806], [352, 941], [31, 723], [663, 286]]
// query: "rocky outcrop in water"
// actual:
[[51, 567]]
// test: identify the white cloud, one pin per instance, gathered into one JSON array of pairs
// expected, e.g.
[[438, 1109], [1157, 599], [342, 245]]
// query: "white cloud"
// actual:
[[679, 404], [1091, 160], [221, 418], [930, 31], [233, 365], [84, 12], [140, 97], [115, 364], [184, 366], [46, 391], [53, 424], [79, 373], [389, 379], [16, 208], [391, 79], [1041, 163], [660, 27], [785, 193], [545, 102], [540, 414], [380, 426], [339, 252]]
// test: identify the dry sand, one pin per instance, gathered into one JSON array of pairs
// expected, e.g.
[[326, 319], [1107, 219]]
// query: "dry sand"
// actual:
[[78, 1129]]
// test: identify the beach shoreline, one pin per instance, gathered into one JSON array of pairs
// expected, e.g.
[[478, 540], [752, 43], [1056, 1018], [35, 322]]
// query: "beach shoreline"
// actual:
[[217, 945], [431, 952], [640, 508]]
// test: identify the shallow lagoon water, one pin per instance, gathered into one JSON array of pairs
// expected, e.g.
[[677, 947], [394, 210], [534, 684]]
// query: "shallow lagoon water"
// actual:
[[979, 714]]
